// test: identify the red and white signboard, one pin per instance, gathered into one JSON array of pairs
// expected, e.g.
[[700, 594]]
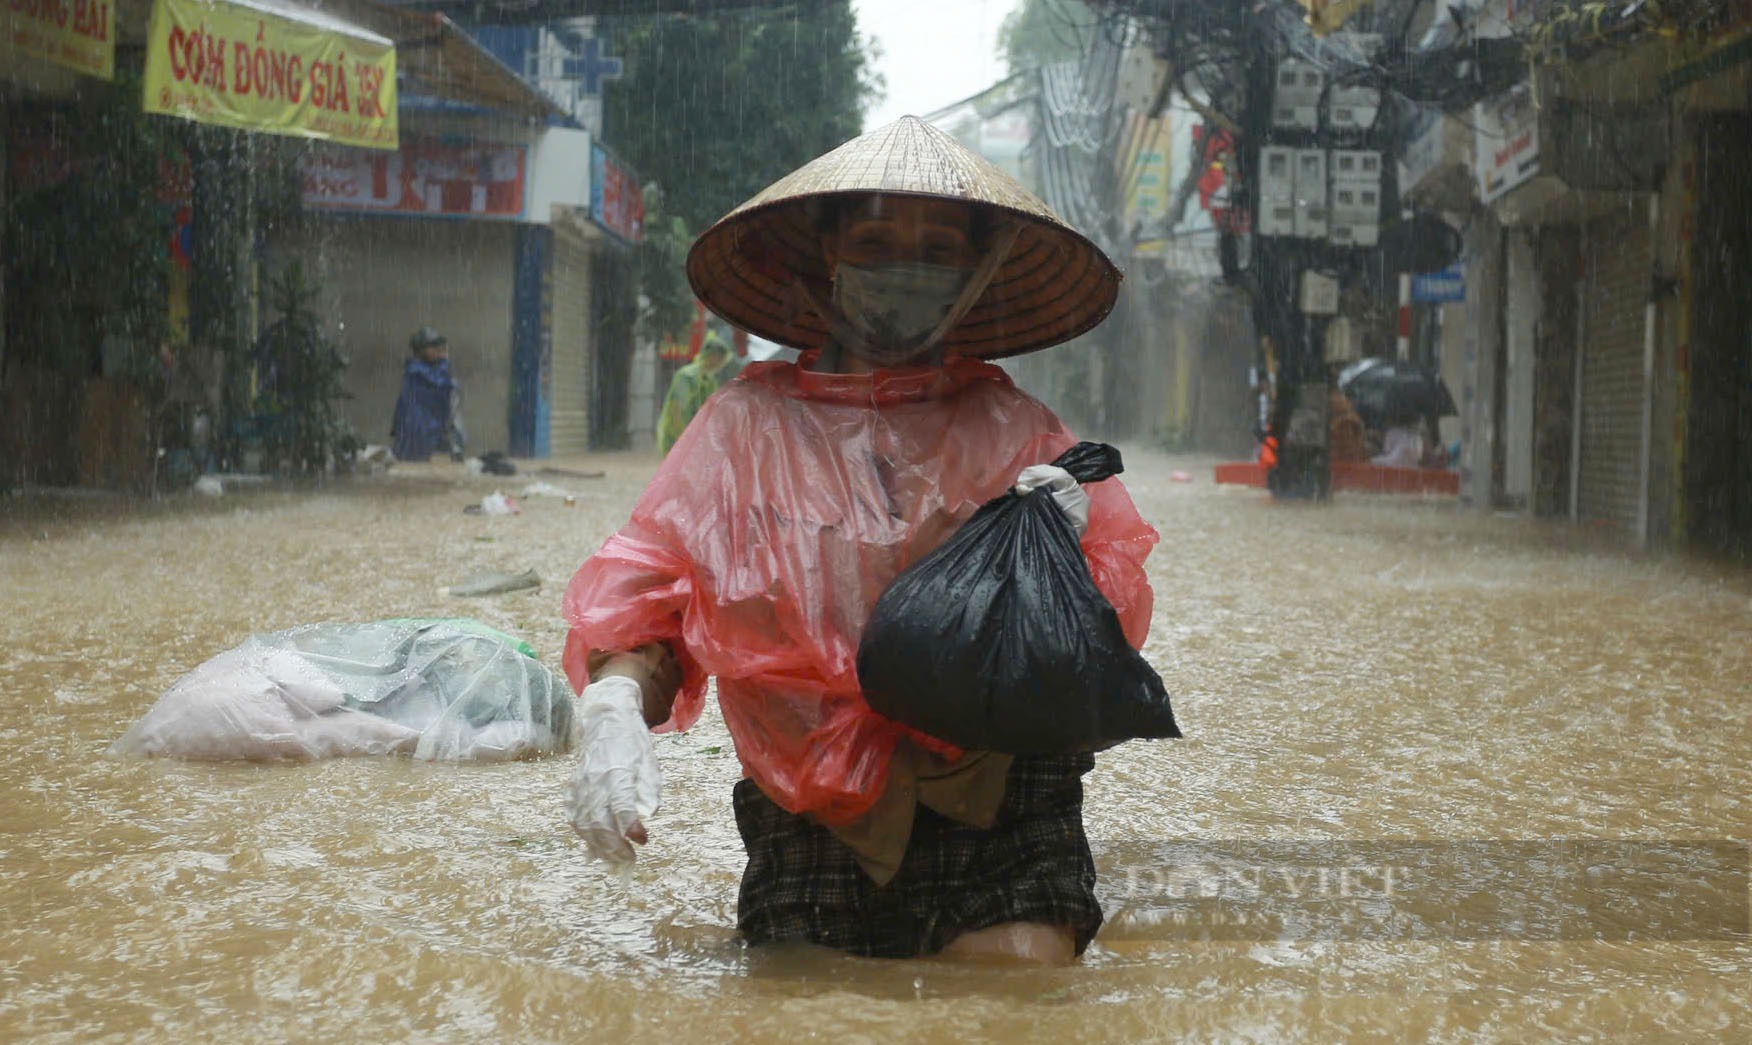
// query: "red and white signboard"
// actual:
[[431, 178], [1507, 142], [616, 202]]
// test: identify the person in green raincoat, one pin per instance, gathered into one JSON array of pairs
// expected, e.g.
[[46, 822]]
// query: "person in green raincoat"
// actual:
[[692, 385]]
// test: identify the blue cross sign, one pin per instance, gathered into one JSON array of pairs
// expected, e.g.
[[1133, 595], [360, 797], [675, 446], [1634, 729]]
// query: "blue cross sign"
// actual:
[[593, 67]]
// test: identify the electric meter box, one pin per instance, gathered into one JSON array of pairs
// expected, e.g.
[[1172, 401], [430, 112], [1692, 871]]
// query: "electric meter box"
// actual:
[[1277, 191], [1355, 235], [1354, 216], [1277, 173], [1356, 165], [1343, 344], [1355, 219], [1352, 108], [1296, 100], [1277, 218], [1319, 293]]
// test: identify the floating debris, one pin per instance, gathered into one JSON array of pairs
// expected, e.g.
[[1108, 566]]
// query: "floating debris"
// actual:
[[478, 584]]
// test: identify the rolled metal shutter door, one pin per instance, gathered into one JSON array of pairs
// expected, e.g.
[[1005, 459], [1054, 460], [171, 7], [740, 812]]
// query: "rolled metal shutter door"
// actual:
[[1617, 255], [569, 410]]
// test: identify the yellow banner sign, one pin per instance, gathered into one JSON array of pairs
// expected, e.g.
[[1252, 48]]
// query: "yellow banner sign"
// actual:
[[79, 34], [1149, 154], [263, 68], [1328, 16]]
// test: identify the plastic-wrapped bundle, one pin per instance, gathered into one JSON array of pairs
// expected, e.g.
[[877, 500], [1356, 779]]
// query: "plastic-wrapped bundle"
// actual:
[[440, 690]]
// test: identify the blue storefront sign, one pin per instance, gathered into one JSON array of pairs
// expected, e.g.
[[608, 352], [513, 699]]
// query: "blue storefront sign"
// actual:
[[1440, 288]]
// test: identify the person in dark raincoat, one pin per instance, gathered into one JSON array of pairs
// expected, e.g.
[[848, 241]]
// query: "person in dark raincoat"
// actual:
[[428, 414]]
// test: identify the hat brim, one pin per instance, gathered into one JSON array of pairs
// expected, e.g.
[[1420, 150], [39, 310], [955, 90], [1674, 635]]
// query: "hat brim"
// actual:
[[1053, 285]]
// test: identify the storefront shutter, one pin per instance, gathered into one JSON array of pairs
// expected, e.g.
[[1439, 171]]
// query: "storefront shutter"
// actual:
[[1616, 252], [569, 417]]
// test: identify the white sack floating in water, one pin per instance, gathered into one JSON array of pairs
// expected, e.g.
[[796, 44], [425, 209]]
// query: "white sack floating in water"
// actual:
[[438, 690]]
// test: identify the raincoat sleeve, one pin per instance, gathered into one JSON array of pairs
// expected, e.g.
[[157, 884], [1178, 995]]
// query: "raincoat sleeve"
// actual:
[[1118, 539], [643, 585], [1116, 544], [635, 590]]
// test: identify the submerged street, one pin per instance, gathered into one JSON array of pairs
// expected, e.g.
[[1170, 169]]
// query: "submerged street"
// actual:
[[1377, 668]]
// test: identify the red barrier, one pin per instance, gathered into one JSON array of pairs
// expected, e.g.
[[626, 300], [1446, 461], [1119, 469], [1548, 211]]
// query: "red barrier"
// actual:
[[1367, 478]]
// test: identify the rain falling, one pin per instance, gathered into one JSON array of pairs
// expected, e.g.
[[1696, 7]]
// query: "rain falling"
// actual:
[[875, 519]]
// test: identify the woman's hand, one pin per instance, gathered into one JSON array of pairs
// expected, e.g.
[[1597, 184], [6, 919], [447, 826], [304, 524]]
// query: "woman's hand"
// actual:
[[617, 783], [1064, 489], [653, 666]]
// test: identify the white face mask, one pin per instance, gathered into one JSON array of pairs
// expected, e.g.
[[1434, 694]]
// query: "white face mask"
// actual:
[[894, 307]]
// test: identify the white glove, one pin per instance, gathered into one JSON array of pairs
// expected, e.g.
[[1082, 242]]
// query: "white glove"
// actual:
[[1064, 489], [617, 782]]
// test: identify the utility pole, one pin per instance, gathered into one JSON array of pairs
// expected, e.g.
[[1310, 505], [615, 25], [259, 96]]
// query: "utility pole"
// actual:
[[1312, 167], [1298, 419]]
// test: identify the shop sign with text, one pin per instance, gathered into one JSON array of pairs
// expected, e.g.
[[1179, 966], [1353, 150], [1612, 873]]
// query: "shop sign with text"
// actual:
[[431, 178], [616, 202], [257, 69], [79, 34], [1506, 132], [1442, 287]]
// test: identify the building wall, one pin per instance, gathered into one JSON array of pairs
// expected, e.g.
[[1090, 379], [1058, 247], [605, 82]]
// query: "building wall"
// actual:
[[1673, 239], [642, 397], [1717, 506], [1158, 345], [1520, 327], [613, 314], [1557, 248], [1478, 402], [569, 385], [1223, 404], [382, 278], [1451, 359]]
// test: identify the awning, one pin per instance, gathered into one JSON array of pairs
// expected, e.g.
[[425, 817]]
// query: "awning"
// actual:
[[438, 59], [271, 66]]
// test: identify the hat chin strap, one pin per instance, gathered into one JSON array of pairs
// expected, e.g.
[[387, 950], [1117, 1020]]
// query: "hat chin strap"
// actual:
[[843, 334], [1002, 240]]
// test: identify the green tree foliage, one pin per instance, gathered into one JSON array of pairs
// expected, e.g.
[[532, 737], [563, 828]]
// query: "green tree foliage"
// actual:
[[301, 383], [714, 109], [662, 267], [85, 247], [1039, 32]]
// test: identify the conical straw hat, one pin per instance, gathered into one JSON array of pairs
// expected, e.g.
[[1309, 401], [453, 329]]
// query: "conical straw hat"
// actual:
[[1054, 284]]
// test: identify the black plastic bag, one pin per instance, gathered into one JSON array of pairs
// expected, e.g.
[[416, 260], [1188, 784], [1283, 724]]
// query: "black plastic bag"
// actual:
[[999, 639]]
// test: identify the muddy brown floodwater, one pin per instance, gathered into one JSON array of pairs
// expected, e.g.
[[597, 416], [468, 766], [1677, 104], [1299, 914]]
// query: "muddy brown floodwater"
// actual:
[[1375, 669]]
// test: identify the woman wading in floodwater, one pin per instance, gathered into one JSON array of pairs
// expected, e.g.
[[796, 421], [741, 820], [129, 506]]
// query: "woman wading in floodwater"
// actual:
[[900, 262]]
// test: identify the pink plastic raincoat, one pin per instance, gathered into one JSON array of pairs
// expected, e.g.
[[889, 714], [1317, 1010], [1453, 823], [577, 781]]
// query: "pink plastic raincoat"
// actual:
[[784, 511]]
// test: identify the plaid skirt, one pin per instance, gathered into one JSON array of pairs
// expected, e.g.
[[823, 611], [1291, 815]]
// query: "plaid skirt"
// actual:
[[803, 884]]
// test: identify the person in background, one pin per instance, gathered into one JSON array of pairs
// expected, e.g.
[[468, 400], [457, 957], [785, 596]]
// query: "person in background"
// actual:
[[692, 385], [1402, 446], [428, 413], [1347, 440]]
